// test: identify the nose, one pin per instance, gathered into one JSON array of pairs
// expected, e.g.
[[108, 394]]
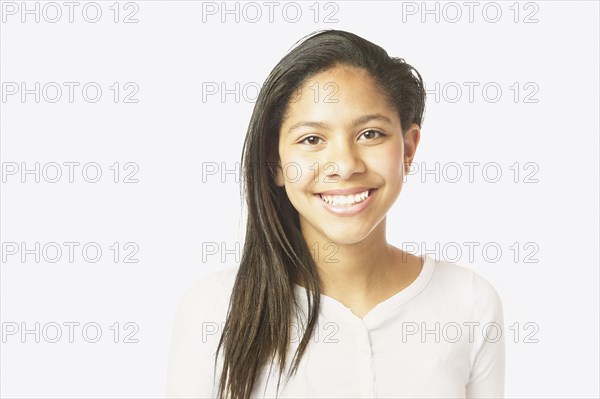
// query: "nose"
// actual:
[[344, 159]]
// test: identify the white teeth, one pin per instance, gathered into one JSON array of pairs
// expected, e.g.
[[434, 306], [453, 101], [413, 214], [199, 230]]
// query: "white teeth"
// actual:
[[345, 199]]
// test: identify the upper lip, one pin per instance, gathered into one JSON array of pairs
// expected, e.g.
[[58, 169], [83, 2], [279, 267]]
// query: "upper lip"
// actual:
[[346, 191]]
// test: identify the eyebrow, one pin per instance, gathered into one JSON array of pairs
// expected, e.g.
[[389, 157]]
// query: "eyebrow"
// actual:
[[356, 122]]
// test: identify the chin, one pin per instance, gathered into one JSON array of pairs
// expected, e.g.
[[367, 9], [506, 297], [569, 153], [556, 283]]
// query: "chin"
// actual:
[[344, 237]]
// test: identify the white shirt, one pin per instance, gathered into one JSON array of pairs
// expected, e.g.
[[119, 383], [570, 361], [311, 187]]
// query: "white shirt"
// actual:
[[443, 336]]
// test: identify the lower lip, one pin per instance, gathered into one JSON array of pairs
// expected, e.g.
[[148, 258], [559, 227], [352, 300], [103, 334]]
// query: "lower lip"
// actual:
[[347, 210]]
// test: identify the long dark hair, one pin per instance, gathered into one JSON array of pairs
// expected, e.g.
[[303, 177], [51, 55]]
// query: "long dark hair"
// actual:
[[275, 254]]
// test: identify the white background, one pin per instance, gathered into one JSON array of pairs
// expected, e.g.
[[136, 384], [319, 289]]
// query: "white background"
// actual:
[[172, 215]]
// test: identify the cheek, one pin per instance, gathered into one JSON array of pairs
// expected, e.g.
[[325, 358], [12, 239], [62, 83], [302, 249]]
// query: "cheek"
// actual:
[[297, 171], [388, 162], [391, 169], [305, 173]]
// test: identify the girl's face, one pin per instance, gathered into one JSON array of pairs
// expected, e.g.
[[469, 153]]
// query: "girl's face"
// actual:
[[341, 134]]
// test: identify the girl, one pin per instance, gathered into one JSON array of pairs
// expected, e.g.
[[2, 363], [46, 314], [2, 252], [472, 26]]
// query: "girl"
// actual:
[[320, 297]]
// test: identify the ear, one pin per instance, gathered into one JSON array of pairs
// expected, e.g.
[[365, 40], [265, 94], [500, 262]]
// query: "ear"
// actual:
[[276, 172], [278, 175], [411, 141]]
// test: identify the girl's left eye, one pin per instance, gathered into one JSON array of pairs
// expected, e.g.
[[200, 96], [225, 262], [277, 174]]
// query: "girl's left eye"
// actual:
[[372, 132]]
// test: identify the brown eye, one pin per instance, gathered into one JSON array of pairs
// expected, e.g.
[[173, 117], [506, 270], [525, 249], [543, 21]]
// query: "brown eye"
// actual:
[[314, 141], [373, 134]]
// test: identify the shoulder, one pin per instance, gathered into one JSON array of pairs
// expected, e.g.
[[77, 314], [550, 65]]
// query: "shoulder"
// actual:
[[457, 277], [214, 281], [210, 291], [201, 312], [459, 281], [196, 332]]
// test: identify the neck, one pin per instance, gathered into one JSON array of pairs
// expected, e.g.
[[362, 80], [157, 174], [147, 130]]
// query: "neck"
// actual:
[[361, 271]]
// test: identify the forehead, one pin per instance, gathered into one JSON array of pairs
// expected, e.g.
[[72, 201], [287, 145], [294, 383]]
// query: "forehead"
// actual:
[[339, 93]]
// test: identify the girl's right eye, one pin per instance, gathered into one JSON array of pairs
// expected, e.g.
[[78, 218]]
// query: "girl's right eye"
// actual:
[[314, 141]]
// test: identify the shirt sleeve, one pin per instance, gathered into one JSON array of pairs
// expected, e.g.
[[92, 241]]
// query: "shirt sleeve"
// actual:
[[191, 357], [486, 379]]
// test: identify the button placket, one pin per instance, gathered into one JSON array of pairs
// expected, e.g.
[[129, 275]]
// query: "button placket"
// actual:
[[367, 389]]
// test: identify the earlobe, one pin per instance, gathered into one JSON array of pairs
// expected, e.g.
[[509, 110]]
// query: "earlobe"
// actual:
[[277, 174], [411, 141], [278, 177], [407, 166]]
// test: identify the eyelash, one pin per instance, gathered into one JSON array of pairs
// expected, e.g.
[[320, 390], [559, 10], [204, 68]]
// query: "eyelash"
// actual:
[[381, 134]]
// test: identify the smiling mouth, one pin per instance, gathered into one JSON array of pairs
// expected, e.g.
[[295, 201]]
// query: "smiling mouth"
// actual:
[[346, 200]]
